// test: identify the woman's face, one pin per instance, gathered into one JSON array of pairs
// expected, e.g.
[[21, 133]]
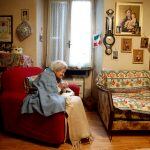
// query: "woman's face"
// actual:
[[128, 13], [60, 74]]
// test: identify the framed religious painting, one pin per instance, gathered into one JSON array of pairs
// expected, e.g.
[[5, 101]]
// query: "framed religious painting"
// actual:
[[144, 42], [126, 45], [6, 29], [138, 56], [128, 19]]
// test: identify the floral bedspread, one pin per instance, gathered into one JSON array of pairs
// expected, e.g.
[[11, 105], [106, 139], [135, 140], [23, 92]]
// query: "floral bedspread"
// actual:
[[135, 102]]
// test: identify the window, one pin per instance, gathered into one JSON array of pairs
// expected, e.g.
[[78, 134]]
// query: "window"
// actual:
[[70, 36]]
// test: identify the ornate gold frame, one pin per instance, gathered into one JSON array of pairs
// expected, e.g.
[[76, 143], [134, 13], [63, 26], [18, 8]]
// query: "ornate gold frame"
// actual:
[[121, 22]]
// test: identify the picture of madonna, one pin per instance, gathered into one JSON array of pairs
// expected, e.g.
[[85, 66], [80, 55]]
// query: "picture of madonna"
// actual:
[[128, 18]]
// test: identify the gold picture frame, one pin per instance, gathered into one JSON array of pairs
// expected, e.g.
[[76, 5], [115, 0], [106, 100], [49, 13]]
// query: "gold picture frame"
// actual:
[[128, 19], [144, 42], [126, 45], [25, 14], [138, 56]]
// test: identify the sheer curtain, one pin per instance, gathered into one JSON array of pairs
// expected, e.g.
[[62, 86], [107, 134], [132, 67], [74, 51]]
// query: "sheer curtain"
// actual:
[[57, 31], [81, 33], [78, 31]]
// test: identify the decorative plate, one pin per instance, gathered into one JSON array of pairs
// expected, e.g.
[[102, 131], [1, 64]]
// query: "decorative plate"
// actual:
[[23, 30]]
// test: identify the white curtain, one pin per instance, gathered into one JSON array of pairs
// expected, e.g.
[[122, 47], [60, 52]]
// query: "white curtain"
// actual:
[[80, 35], [57, 31]]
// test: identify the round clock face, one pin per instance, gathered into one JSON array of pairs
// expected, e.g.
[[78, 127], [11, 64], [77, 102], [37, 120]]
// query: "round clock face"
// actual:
[[110, 40]]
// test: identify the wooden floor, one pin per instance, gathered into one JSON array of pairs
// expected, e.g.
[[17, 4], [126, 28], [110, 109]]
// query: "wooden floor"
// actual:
[[101, 141]]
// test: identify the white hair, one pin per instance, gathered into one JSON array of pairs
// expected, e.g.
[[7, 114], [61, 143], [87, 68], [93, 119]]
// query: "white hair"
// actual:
[[58, 65]]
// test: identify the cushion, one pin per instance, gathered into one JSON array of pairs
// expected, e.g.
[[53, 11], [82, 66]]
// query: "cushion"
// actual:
[[28, 83], [75, 88]]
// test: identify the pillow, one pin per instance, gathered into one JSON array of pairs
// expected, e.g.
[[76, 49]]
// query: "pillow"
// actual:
[[28, 84]]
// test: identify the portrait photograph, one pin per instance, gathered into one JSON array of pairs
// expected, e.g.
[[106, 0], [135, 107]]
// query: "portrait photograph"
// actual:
[[128, 18], [144, 42], [126, 45], [115, 55], [138, 55], [24, 14]]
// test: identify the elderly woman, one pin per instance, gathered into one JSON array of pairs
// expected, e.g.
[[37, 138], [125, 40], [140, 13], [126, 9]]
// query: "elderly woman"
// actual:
[[50, 86], [77, 121]]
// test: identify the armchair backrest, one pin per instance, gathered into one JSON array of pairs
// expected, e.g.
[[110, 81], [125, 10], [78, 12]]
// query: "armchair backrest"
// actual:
[[13, 78]]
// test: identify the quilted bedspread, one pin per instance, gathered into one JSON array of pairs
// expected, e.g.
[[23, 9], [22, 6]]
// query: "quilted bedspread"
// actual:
[[135, 102]]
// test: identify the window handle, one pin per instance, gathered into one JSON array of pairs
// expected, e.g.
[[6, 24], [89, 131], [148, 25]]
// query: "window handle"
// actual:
[[69, 43]]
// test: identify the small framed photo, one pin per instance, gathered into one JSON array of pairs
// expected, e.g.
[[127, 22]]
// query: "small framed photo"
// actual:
[[144, 42], [126, 45], [118, 29], [24, 14], [6, 28], [115, 55], [138, 56]]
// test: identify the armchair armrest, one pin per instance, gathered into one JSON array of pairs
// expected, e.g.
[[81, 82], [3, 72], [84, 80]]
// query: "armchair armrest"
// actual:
[[75, 88]]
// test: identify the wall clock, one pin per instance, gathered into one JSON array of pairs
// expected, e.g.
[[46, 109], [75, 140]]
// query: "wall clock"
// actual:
[[109, 38]]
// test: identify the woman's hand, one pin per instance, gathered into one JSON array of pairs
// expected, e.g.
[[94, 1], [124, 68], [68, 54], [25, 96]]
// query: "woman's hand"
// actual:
[[63, 85]]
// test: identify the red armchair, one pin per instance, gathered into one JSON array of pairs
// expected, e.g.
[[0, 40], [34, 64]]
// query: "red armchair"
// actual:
[[47, 129]]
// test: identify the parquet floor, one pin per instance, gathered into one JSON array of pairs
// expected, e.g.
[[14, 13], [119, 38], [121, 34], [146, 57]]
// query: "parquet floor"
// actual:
[[101, 141]]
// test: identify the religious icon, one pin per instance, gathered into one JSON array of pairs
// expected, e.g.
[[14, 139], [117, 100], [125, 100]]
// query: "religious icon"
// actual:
[[138, 55], [126, 45]]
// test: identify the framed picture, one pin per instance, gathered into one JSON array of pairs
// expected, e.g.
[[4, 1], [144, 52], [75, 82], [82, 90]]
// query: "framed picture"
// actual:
[[6, 29], [115, 55], [24, 14], [144, 42], [7, 46], [126, 45], [138, 55], [128, 18]]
